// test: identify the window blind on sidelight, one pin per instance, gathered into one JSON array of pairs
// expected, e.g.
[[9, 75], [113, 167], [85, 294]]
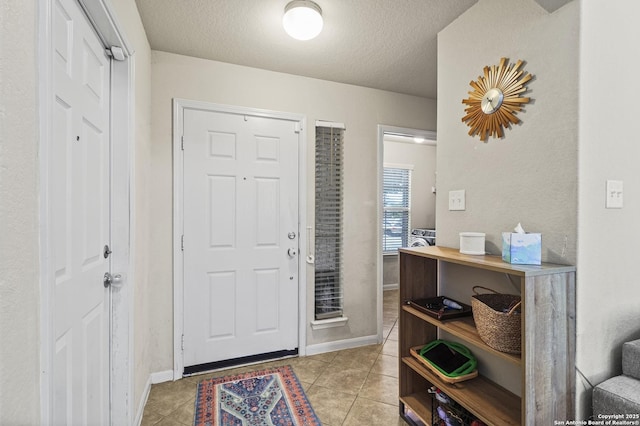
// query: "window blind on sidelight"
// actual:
[[329, 221], [396, 199]]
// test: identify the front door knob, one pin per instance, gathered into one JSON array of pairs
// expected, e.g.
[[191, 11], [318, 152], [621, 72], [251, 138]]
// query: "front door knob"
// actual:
[[112, 280]]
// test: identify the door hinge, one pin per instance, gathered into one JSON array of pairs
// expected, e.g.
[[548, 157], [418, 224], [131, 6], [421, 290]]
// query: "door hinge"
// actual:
[[297, 127], [182, 243], [182, 342], [182, 142]]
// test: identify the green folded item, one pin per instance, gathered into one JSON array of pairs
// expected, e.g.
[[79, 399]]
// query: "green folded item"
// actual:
[[450, 358]]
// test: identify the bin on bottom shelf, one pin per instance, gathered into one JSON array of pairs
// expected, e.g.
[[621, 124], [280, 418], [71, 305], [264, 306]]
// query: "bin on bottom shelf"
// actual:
[[447, 412]]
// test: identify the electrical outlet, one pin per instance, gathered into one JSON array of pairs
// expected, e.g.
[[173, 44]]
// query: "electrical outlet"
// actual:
[[613, 198], [456, 200]]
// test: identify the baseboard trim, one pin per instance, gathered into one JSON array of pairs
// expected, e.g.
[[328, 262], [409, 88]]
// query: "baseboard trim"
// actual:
[[339, 345], [390, 287], [154, 379], [161, 377], [143, 402]]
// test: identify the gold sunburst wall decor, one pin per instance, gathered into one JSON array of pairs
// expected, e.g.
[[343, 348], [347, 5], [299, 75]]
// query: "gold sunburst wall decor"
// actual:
[[495, 100]]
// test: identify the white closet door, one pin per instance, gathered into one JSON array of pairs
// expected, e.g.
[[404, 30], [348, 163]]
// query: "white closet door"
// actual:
[[79, 219]]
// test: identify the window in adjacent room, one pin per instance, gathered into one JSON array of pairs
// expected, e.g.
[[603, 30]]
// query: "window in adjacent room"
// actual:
[[396, 201]]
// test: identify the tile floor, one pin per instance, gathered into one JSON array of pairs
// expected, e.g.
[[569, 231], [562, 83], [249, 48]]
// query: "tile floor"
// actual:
[[350, 387]]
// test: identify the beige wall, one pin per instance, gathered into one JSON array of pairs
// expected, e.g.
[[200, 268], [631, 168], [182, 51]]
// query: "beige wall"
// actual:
[[390, 271], [361, 109], [530, 176], [19, 270], [608, 292]]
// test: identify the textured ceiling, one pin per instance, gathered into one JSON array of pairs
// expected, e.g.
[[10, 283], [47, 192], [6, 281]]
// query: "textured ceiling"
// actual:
[[384, 44]]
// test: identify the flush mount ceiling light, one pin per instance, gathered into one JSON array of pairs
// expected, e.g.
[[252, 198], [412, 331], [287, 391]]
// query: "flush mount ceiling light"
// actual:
[[302, 19]]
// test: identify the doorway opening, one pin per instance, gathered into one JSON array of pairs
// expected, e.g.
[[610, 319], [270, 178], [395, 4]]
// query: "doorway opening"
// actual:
[[406, 199]]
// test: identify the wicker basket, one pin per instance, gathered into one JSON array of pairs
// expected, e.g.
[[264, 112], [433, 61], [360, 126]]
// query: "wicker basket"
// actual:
[[497, 319]]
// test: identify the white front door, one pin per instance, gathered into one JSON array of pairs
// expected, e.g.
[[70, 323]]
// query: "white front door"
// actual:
[[240, 236], [78, 215]]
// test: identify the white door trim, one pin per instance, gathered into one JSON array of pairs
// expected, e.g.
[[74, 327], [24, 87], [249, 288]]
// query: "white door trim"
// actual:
[[382, 129], [179, 105], [104, 21]]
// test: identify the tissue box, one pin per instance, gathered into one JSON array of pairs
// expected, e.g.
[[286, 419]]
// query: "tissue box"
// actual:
[[522, 249]]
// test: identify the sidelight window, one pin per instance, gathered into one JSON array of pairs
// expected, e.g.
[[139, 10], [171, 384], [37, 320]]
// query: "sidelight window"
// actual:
[[328, 220]]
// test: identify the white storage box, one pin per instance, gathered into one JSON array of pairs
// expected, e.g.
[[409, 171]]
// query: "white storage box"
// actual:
[[472, 242]]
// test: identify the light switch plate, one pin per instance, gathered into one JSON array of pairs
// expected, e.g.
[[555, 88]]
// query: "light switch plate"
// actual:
[[614, 196], [456, 200]]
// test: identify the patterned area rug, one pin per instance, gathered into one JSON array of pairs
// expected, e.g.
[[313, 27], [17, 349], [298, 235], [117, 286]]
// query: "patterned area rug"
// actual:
[[272, 397]]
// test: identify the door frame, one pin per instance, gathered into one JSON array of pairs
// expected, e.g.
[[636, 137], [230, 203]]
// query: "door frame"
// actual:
[[428, 135], [104, 21], [179, 106]]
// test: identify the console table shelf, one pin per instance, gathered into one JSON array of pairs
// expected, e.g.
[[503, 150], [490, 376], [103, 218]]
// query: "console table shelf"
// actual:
[[465, 329], [421, 405], [486, 400], [548, 341]]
